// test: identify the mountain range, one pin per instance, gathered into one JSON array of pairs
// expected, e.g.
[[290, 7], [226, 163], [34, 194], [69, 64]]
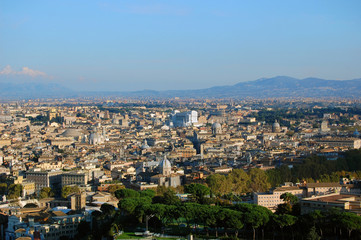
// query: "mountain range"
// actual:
[[276, 87]]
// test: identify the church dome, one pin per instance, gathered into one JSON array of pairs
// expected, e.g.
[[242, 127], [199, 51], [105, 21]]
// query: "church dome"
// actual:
[[216, 126], [71, 132], [276, 127], [165, 163], [356, 133]]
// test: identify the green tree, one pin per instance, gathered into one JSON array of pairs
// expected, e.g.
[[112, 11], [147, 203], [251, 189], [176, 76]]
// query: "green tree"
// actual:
[[84, 230], [135, 207], [312, 234], [115, 187], [3, 188], [15, 191], [218, 184], [147, 193], [126, 193], [46, 192], [350, 221], [198, 191], [258, 181], [233, 220], [107, 209], [67, 190], [254, 216], [238, 180], [284, 220], [169, 197]]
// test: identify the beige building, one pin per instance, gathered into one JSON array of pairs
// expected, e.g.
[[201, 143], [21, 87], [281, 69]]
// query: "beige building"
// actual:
[[73, 178], [340, 142], [273, 199], [78, 201], [28, 187], [346, 202]]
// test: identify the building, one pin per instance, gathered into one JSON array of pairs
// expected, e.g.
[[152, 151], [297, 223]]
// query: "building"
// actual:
[[324, 127], [165, 176], [276, 128], [345, 202], [354, 143], [184, 119], [73, 178], [273, 199], [78, 201], [44, 179], [317, 189]]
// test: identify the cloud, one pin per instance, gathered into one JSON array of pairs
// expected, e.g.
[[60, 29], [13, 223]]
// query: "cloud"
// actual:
[[25, 71]]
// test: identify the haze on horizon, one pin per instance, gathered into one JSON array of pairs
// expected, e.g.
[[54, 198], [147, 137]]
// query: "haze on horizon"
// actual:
[[135, 45]]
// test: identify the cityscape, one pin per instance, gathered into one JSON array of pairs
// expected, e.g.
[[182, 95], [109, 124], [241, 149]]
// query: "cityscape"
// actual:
[[180, 120]]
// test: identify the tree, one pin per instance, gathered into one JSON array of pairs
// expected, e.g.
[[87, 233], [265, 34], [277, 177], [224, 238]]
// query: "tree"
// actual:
[[218, 184], [15, 191], [312, 234], [315, 218], [126, 193], [46, 192], [289, 198], [233, 220], [258, 180], [107, 209], [238, 180], [147, 193], [287, 207], [253, 215], [67, 190], [169, 197], [350, 221], [284, 220], [198, 191], [3, 188], [135, 207], [84, 230], [115, 187]]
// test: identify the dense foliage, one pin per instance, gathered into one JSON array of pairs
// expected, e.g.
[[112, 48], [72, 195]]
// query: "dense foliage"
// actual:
[[316, 168], [218, 219]]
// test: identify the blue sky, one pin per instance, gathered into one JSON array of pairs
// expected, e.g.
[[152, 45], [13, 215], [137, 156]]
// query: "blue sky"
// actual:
[[135, 45]]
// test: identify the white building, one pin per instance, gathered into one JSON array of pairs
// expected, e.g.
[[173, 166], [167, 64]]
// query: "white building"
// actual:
[[184, 119]]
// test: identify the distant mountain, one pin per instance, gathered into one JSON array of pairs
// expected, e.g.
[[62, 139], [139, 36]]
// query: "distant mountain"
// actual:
[[280, 86], [32, 90]]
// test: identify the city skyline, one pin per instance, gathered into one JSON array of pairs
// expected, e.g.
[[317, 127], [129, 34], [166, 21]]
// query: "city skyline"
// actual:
[[127, 46]]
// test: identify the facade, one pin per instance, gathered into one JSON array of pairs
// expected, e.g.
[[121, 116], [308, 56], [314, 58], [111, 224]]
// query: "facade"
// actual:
[[44, 179], [78, 201], [74, 179], [317, 189], [340, 142], [184, 119], [273, 199], [345, 202]]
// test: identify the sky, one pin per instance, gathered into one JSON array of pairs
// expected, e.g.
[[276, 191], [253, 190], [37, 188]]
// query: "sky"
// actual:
[[144, 44]]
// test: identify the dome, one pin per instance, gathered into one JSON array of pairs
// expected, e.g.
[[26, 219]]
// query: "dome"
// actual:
[[165, 163], [356, 133], [216, 126], [276, 124], [276, 127], [71, 132]]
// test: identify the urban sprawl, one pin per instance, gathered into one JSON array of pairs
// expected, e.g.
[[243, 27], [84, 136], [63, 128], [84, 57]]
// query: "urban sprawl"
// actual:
[[117, 169]]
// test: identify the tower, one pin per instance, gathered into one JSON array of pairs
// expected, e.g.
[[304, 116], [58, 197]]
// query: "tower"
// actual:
[[165, 167]]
